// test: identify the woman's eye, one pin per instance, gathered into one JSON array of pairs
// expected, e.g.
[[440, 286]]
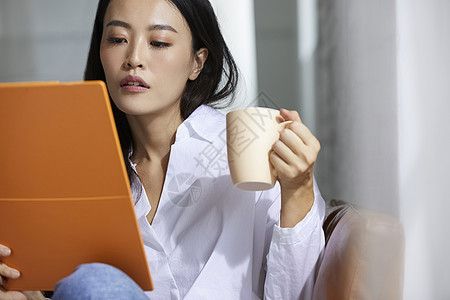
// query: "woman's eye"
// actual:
[[157, 44], [114, 40]]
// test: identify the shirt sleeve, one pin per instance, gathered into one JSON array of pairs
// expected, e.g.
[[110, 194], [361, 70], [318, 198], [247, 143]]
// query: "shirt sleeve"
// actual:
[[294, 253]]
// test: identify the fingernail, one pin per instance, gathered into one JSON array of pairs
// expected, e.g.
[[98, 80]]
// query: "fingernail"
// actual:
[[15, 274], [5, 251]]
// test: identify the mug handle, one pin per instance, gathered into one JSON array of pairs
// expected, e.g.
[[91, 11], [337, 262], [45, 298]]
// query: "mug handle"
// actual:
[[283, 125]]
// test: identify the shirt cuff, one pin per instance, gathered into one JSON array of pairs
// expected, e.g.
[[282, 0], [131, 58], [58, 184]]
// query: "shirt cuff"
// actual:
[[302, 229]]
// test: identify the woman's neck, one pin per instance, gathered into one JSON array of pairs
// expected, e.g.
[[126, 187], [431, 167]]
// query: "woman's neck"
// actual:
[[153, 135]]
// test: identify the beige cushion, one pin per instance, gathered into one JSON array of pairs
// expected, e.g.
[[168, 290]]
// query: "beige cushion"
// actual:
[[363, 257]]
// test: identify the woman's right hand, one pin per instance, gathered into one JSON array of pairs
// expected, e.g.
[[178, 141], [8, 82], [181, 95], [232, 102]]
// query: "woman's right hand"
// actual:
[[10, 273]]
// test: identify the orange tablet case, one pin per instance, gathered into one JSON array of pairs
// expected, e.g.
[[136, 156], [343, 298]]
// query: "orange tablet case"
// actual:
[[64, 193]]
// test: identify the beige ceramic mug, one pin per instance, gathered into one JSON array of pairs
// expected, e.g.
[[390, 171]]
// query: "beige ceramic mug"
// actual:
[[251, 133]]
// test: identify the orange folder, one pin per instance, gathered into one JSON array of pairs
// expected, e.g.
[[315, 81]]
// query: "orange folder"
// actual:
[[65, 198]]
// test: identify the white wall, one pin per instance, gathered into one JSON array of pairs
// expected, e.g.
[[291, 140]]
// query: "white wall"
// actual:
[[237, 22], [424, 144], [44, 39]]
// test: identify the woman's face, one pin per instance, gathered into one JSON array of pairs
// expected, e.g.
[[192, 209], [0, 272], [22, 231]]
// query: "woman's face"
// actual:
[[146, 53]]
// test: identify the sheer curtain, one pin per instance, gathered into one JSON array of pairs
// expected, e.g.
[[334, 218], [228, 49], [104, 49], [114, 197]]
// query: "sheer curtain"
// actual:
[[356, 115], [424, 144], [383, 100]]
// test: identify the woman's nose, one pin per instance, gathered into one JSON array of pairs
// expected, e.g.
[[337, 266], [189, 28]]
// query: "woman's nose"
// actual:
[[135, 57]]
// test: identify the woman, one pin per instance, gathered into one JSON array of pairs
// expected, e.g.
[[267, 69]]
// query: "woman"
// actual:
[[164, 64]]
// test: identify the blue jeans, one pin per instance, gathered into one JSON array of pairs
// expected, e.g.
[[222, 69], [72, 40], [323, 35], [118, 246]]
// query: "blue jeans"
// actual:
[[98, 281]]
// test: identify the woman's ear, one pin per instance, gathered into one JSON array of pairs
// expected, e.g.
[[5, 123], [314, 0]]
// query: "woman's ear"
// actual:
[[199, 61]]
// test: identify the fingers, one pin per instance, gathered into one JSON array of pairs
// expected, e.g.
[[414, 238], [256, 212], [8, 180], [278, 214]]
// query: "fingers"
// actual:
[[284, 152], [5, 271], [4, 251], [295, 153], [302, 132], [8, 272], [299, 128], [288, 164], [35, 295], [300, 141], [281, 166], [12, 295], [290, 115]]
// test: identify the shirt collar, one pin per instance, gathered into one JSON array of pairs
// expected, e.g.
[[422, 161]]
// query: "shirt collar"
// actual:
[[204, 123]]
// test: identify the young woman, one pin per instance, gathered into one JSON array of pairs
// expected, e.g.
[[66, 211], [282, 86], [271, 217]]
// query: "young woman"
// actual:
[[166, 65]]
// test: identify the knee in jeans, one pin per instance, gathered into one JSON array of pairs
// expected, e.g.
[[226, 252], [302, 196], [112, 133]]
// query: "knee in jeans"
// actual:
[[96, 270], [89, 278], [98, 281]]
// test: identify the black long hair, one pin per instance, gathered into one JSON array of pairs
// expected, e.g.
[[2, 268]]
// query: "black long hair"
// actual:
[[217, 80]]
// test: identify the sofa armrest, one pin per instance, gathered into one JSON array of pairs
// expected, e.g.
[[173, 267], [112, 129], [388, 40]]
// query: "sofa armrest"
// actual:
[[363, 256]]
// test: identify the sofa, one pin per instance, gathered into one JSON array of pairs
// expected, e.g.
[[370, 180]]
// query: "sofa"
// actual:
[[363, 256]]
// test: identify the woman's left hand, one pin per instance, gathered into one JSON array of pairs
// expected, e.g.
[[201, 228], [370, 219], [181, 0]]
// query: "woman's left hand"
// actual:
[[293, 158]]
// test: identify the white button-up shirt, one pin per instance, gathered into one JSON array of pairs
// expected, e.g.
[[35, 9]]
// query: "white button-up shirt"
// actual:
[[210, 240]]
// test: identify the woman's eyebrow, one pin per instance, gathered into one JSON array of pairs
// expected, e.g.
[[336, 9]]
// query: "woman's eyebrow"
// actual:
[[150, 27], [162, 27], [119, 23]]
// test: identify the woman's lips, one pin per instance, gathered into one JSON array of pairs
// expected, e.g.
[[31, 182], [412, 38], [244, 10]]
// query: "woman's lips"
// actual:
[[134, 84]]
